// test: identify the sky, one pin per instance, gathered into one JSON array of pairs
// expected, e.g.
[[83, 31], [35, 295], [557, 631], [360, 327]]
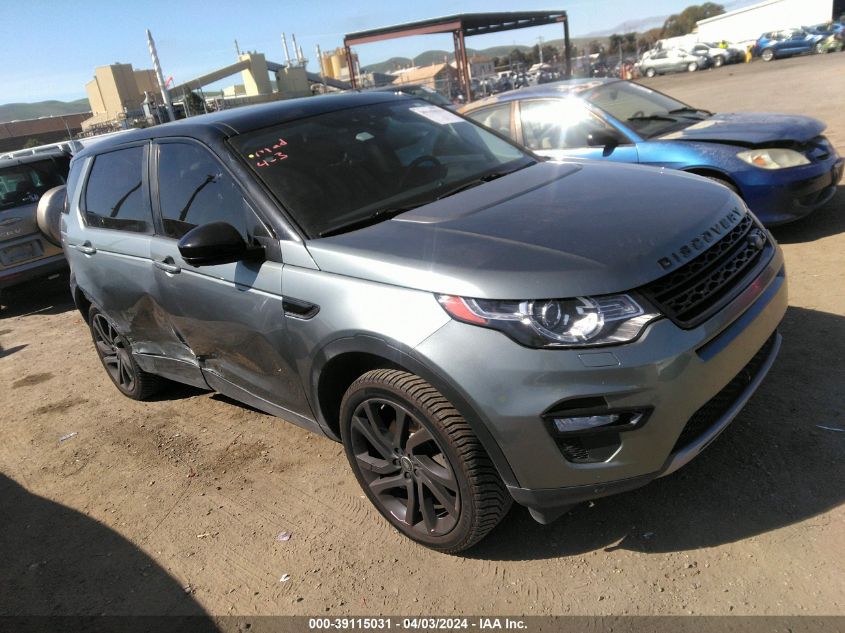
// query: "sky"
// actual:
[[50, 50]]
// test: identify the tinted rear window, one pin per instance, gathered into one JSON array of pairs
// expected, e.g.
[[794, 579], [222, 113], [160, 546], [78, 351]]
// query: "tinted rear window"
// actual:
[[115, 196], [25, 184]]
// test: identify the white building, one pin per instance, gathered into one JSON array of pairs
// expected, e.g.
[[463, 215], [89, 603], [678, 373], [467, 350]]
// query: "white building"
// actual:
[[750, 22]]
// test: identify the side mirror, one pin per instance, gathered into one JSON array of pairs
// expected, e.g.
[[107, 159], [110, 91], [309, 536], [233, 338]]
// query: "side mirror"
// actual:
[[604, 138], [215, 243]]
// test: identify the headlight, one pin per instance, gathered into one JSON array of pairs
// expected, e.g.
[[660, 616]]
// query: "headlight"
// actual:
[[579, 322], [773, 158]]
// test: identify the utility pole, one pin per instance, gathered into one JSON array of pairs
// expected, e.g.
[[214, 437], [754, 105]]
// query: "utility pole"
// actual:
[[165, 95], [540, 47], [237, 49]]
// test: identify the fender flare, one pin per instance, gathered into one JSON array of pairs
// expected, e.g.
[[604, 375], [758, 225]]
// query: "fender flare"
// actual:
[[405, 357]]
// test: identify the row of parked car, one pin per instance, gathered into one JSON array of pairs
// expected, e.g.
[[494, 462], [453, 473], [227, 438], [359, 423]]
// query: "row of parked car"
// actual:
[[821, 38]]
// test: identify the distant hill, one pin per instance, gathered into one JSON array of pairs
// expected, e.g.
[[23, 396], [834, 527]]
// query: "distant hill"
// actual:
[[21, 111]]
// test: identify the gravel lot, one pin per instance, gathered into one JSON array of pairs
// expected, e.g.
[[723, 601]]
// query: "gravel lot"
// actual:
[[174, 506]]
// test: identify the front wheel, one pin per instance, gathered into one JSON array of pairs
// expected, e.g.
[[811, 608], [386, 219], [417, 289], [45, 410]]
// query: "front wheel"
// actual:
[[718, 61], [767, 55], [650, 72], [692, 67], [419, 462], [819, 48]]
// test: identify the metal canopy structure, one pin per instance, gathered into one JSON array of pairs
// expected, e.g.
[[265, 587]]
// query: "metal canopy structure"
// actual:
[[461, 26]]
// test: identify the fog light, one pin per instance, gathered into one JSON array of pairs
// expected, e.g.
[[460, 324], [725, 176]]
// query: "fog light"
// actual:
[[620, 421], [579, 423]]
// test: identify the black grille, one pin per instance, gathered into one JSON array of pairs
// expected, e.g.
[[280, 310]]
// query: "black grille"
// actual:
[[703, 285], [718, 405]]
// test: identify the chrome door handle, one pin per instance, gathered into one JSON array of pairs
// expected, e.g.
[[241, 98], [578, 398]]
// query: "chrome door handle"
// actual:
[[86, 248], [168, 267]]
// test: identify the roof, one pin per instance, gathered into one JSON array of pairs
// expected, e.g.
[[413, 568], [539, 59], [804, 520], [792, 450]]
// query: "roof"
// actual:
[[553, 89], [226, 123], [416, 75], [33, 158], [469, 23]]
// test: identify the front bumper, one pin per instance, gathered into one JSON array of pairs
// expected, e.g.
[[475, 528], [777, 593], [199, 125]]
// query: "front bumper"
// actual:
[[672, 371], [778, 197]]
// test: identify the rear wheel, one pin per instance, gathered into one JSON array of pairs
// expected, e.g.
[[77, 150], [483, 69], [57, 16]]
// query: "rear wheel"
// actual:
[[116, 355], [419, 462]]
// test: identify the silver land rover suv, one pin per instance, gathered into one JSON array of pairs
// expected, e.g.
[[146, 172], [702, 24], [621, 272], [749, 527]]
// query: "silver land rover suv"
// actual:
[[474, 324]]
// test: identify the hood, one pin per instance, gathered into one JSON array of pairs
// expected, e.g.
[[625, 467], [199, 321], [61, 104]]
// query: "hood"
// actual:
[[751, 129], [549, 230]]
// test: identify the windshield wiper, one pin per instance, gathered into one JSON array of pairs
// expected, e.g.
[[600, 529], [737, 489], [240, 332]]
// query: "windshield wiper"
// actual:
[[374, 218], [492, 175], [688, 110], [652, 117]]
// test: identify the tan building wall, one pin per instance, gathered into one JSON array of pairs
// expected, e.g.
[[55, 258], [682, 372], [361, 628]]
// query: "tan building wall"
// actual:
[[94, 97], [293, 82], [256, 78], [147, 82], [116, 88]]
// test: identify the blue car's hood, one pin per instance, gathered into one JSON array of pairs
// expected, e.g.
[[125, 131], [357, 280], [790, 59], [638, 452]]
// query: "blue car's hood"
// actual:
[[750, 129]]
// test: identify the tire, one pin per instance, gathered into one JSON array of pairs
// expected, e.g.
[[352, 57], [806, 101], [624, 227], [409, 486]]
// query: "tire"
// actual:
[[767, 55], [116, 356], [718, 61], [692, 67], [818, 48], [413, 453], [650, 72]]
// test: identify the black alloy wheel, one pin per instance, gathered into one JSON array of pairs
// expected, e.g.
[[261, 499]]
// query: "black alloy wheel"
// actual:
[[116, 355], [418, 461], [405, 467]]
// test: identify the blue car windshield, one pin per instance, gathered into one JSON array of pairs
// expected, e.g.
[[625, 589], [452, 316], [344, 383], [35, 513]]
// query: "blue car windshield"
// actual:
[[342, 170], [647, 112]]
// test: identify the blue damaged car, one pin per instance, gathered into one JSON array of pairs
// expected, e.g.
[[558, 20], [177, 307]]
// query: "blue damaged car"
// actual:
[[782, 165]]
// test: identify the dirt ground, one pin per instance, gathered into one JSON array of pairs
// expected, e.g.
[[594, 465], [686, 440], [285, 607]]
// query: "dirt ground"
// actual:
[[174, 506]]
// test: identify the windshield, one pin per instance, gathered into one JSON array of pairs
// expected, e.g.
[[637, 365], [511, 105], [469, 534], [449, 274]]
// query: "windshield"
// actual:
[[343, 168], [24, 184], [648, 112], [424, 92]]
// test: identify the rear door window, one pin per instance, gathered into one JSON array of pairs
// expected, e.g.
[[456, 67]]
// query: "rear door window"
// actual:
[[496, 118], [116, 195]]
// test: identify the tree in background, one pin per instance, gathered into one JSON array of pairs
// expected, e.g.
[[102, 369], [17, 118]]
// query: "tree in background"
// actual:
[[684, 22]]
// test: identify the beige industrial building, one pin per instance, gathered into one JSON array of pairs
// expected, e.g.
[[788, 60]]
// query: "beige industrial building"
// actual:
[[116, 90], [440, 77], [333, 64]]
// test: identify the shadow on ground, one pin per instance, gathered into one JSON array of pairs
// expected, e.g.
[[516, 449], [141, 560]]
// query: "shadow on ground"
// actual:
[[824, 222], [771, 468], [57, 561], [44, 296]]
